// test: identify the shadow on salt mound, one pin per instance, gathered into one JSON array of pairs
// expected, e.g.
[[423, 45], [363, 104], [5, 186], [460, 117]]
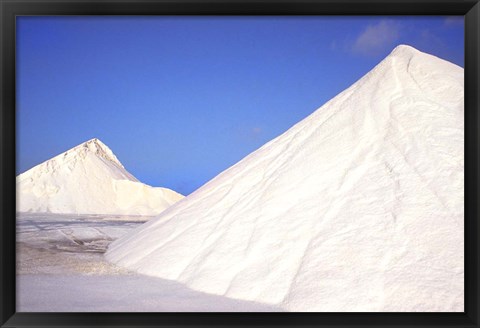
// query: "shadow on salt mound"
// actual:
[[121, 293]]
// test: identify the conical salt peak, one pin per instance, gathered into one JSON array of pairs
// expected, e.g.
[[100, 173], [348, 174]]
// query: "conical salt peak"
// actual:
[[400, 57], [97, 147], [404, 49], [95, 143]]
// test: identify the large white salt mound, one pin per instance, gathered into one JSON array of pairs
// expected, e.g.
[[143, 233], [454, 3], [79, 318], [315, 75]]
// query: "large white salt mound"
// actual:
[[89, 179], [359, 207]]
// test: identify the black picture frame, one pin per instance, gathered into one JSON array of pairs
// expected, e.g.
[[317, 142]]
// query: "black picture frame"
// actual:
[[9, 9]]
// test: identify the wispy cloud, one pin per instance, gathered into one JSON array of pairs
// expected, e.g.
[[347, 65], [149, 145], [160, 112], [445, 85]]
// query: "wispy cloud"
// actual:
[[453, 21], [334, 45], [430, 39], [256, 130], [376, 38], [249, 133]]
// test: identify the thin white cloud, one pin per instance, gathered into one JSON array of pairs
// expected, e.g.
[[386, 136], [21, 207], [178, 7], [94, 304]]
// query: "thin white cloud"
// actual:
[[453, 21], [376, 38], [249, 133], [429, 39], [256, 130], [333, 45]]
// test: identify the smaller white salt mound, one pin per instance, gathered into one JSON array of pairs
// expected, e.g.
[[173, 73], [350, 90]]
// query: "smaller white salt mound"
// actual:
[[89, 179]]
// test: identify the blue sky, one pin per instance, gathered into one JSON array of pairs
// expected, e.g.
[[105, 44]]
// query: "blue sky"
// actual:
[[180, 99]]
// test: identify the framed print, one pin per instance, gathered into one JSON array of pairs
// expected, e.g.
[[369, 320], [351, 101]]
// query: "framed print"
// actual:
[[225, 163]]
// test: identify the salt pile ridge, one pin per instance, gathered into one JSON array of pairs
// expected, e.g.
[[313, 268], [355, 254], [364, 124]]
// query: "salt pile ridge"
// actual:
[[89, 179], [359, 207]]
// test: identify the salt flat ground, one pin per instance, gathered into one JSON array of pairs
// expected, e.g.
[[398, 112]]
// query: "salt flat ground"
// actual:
[[61, 268]]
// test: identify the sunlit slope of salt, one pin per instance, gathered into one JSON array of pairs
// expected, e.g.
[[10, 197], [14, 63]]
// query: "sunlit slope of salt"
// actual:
[[359, 207], [89, 179]]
